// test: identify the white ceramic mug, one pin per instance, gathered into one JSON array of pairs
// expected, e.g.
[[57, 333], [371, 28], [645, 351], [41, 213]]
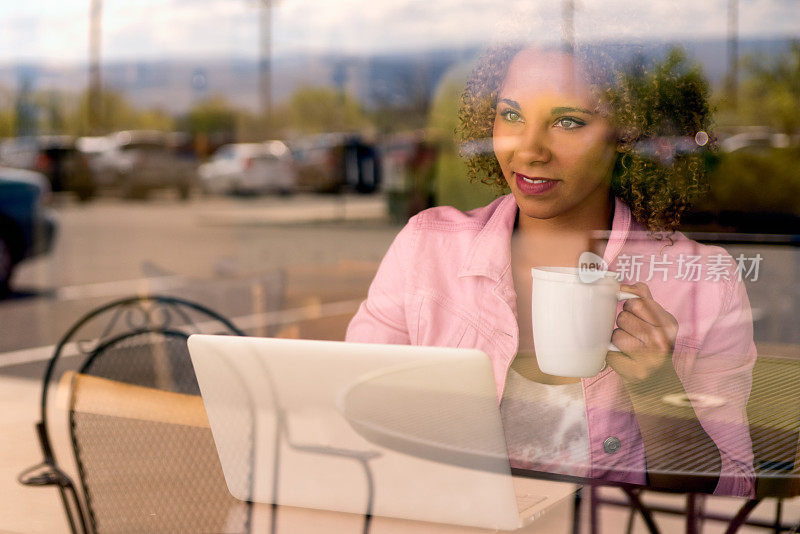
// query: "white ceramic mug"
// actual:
[[573, 320]]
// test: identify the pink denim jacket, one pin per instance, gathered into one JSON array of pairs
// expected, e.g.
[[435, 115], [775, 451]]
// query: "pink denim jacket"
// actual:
[[446, 281]]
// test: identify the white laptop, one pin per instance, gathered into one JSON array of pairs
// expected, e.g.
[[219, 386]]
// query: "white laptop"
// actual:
[[396, 431]]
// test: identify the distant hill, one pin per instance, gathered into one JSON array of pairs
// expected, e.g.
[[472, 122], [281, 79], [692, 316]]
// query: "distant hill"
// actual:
[[174, 85]]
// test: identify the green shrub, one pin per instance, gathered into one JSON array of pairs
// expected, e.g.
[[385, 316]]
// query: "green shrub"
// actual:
[[452, 187], [764, 181]]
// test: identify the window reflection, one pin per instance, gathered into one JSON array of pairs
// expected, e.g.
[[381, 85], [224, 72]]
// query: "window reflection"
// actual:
[[261, 157]]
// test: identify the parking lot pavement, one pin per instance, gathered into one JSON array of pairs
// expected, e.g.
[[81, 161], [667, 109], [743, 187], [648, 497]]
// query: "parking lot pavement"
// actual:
[[221, 252], [303, 209]]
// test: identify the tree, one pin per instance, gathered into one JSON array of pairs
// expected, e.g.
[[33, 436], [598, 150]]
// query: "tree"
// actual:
[[762, 180], [7, 122], [7, 115], [212, 116], [451, 185], [116, 113], [323, 109], [772, 91]]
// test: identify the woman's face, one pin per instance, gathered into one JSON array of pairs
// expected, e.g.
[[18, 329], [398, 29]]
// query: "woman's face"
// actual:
[[555, 148]]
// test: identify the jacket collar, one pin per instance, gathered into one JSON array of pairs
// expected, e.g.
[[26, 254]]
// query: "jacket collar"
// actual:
[[621, 228], [490, 252]]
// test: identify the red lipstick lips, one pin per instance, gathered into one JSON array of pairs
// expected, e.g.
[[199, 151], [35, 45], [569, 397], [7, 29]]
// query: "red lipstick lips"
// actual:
[[534, 186]]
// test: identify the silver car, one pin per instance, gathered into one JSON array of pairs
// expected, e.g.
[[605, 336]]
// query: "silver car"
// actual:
[[250, 168]]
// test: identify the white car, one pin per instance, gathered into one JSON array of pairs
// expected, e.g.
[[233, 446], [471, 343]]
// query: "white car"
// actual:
[[100, 154], [250, 168], [755, 139]]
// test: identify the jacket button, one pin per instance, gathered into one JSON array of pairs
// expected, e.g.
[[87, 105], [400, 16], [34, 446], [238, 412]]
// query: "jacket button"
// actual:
[[611, 444]]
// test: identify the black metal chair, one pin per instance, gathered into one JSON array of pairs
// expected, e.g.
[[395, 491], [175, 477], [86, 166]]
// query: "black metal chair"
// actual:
[[134, 431]]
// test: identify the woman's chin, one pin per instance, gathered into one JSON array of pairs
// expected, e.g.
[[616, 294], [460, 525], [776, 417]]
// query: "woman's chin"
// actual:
[[536, 208]]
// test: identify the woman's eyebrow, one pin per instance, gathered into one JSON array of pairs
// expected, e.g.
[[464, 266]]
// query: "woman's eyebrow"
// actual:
[[567, 109], [508, 101]]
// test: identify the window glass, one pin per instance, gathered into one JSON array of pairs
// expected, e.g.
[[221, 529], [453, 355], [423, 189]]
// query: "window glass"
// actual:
[[112, 112]]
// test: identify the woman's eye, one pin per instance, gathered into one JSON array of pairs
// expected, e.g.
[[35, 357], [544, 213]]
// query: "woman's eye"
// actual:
[[569, 123], [511, 115]]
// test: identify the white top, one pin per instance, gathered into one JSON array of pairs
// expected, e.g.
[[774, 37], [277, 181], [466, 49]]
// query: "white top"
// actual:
[[545, 426]]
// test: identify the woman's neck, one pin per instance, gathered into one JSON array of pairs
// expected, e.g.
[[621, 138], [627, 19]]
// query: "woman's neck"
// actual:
[[586, 218], [559, 241]]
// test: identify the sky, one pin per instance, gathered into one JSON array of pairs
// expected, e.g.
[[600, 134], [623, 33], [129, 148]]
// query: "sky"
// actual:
[[56, 30]]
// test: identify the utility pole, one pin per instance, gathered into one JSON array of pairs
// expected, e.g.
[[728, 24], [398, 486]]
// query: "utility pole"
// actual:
[[568, 25], [264, 62], [95, 77], [733, 52]]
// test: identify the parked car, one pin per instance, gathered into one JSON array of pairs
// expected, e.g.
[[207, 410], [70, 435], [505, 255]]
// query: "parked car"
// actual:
[[139, 161], [55, 156], [250, 168], [99, 154], [331, 162], [755, 140], [27, 226]]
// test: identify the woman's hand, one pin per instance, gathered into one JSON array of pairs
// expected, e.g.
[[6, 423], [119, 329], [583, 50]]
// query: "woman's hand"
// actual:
[[646, 336]]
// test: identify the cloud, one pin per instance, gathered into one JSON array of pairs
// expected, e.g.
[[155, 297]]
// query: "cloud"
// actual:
[[777, 17], [362, 27], [676, 19], [28, 36], [147, 29], [158, 29]]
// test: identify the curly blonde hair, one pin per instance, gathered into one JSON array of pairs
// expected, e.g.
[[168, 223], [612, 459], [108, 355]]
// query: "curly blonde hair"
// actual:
[[655, 110]]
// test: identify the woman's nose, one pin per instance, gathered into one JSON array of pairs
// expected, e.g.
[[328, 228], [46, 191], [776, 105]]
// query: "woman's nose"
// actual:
[[533, 146]]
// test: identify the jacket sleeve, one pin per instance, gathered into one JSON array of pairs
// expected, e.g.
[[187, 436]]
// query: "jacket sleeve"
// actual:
[[381, 318], [723, 371]]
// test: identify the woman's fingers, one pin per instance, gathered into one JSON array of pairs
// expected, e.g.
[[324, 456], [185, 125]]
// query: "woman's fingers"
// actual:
[[646, 307], [639, 288], [651, 338], [634, 325], [642, 308], [626, 342], [645, 335]]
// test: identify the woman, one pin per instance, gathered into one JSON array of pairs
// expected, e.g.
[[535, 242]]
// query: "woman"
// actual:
[[561, 140]]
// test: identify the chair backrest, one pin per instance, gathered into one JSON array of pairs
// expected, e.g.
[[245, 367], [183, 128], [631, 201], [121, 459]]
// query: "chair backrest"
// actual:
[[147, 460], [139, 437], [151, 358]]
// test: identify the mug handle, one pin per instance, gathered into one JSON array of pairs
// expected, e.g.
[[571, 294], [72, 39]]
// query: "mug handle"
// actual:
[[621, 295]]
